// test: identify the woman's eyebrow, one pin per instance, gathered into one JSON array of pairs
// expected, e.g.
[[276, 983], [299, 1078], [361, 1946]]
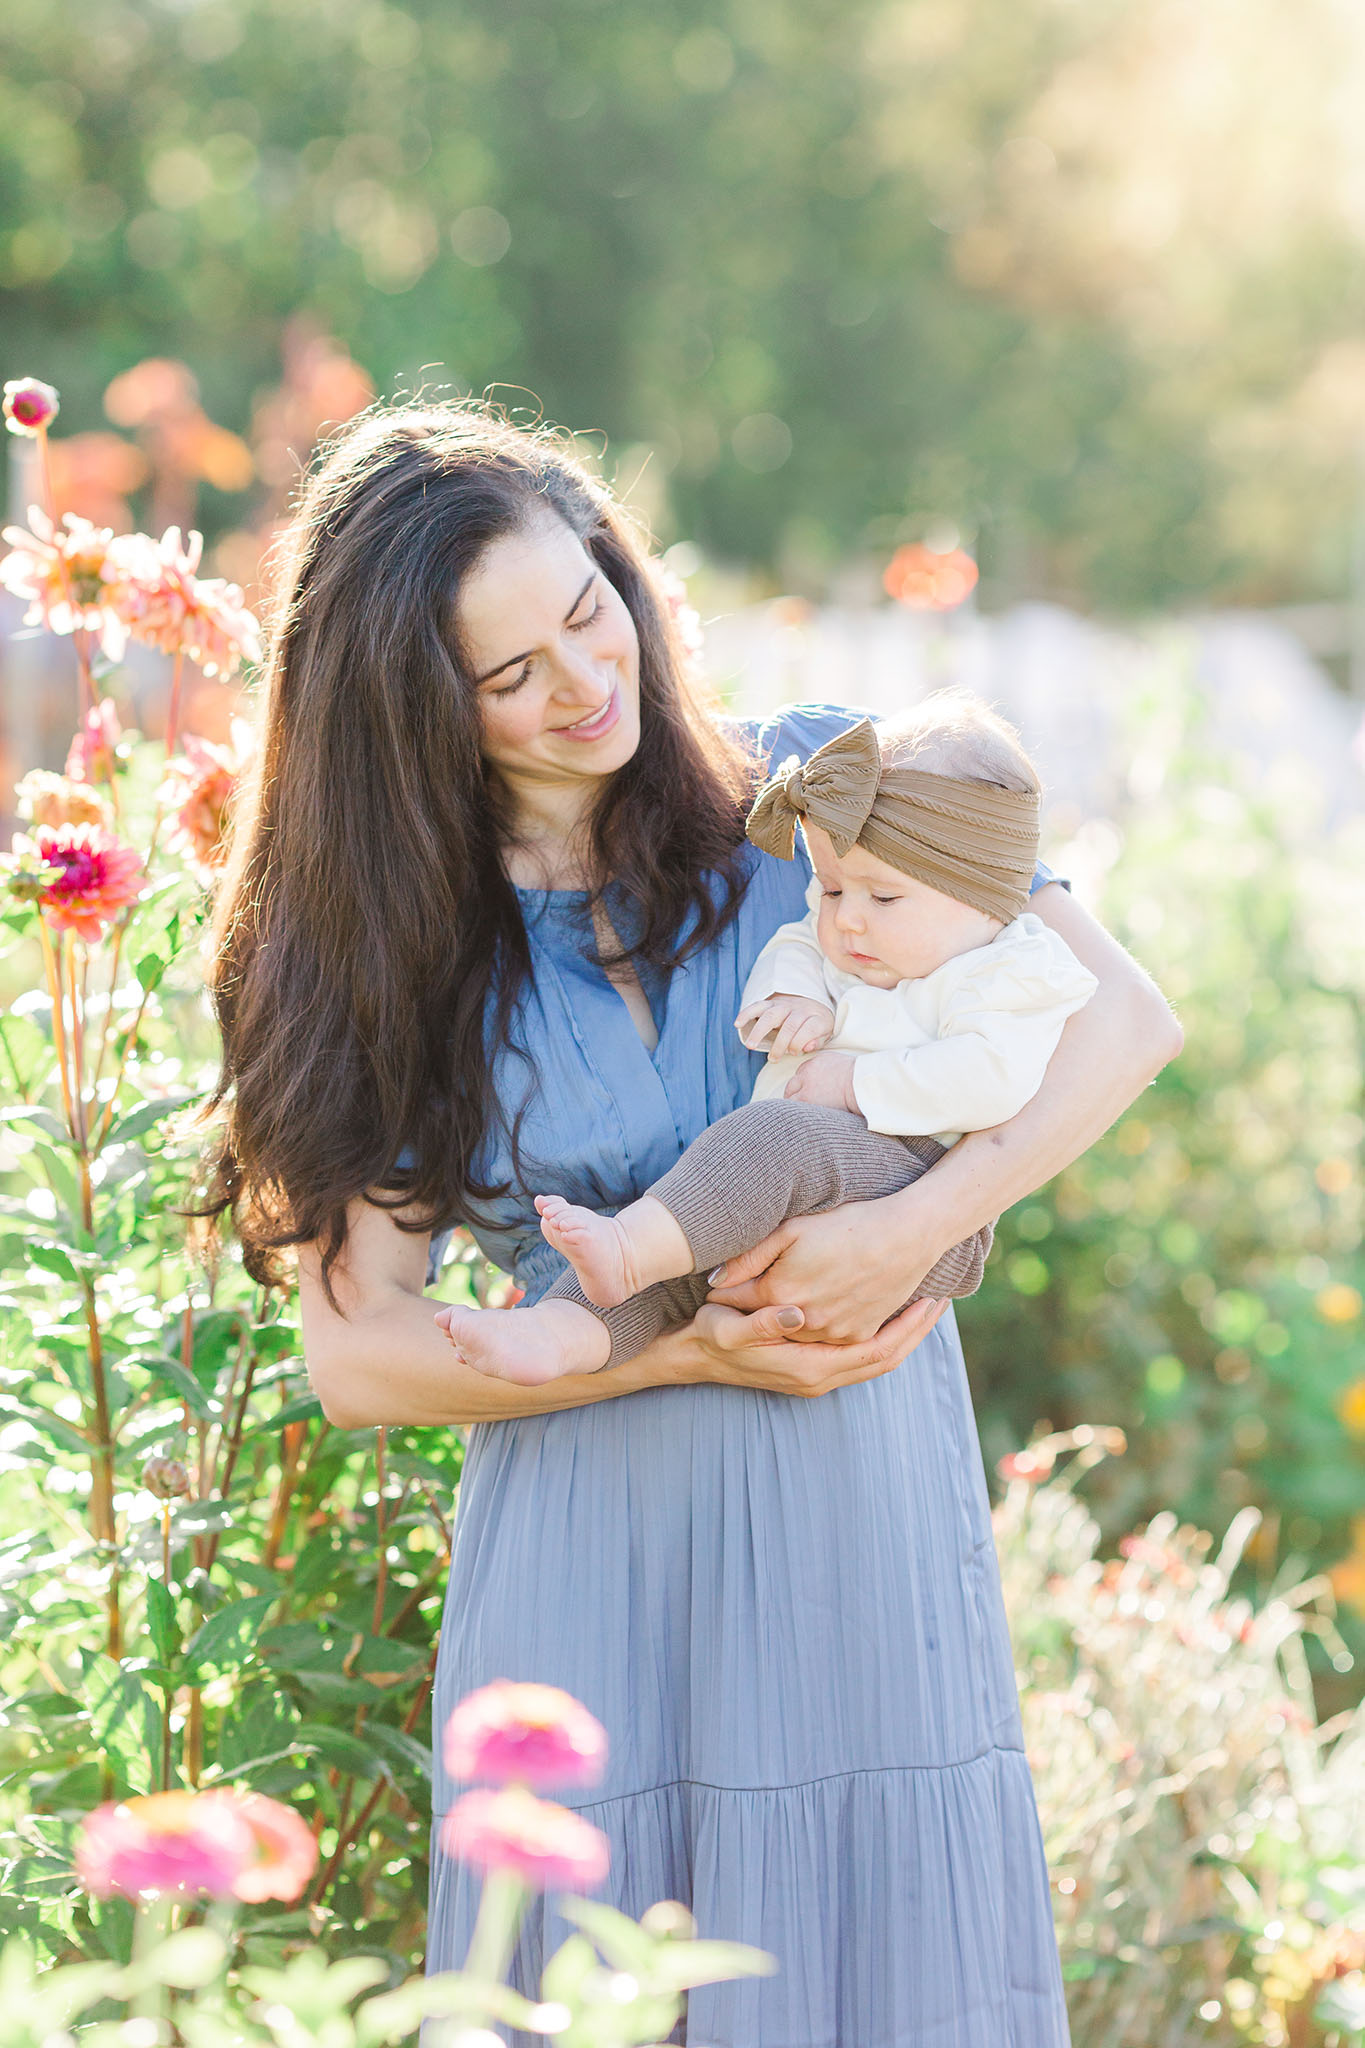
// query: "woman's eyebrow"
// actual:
[[513, 659]]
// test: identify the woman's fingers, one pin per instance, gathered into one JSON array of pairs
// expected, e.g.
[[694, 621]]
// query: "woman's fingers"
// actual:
[[734, 1279], [749, 1351]]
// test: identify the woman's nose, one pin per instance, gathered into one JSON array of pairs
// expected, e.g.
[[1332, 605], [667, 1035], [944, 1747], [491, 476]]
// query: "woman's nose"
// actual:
[[583, 681]]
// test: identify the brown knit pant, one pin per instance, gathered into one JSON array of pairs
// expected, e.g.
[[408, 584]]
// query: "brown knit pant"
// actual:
[[747, 1174]]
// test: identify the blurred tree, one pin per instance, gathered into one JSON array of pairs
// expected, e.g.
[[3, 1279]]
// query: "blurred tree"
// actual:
[[1085, 279]]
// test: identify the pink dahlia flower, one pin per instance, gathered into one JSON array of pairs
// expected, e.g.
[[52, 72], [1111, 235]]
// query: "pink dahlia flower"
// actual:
[[165, 1842], [29, 405], [97, 876], [528, 1734], [91, 757], [71, 575], [168, 606], [286, 1852], [199, 787], [546, 1846]]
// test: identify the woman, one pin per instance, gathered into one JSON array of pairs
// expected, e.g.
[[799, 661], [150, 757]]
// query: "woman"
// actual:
[[491, 906]]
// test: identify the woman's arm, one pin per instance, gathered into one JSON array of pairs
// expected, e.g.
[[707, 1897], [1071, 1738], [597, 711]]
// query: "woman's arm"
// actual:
[[849, 1268], [385, 1361]]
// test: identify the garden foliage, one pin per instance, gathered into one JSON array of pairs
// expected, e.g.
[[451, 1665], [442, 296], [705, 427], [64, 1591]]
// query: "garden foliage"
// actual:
[[1197, 1277]]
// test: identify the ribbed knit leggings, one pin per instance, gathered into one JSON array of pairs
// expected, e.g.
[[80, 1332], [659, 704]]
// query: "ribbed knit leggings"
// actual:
[[749, 1172]]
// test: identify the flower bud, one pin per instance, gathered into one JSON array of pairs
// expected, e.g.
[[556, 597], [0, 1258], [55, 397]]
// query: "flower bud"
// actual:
[[166, 1478], [30, 406]]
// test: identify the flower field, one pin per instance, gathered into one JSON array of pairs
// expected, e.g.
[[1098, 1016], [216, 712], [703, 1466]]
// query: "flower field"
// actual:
[[218, 1612]]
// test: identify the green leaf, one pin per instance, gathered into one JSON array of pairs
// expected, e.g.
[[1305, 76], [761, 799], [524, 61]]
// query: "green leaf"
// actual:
[[404, 1750], [681, 1964], [564, 1974], [229, 1638], [52, 1259], [305, 1408], [221, 1774], [62, 1178], [49, 1425], [26, 1114], [162, 1621], [163, 1367], [350, 1753], [148, 1114], [150, 969], [622, 1941]]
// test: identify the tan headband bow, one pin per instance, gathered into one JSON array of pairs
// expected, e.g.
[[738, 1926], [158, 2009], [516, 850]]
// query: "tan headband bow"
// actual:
[[971, 840]]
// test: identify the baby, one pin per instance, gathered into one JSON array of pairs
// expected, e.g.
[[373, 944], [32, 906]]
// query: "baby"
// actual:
[[917, 1000]]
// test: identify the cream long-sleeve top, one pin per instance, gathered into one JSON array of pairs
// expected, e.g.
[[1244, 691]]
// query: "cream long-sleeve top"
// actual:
[[957, 1050]]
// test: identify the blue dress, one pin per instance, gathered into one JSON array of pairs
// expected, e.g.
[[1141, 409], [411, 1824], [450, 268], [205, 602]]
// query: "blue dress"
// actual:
[[786, 1613]]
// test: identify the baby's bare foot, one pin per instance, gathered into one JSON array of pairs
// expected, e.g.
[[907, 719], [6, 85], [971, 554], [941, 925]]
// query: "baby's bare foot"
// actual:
[[528, 1346], [597, 1247]]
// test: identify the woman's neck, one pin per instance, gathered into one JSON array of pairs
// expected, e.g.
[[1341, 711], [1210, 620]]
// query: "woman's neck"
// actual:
[[549, 840]]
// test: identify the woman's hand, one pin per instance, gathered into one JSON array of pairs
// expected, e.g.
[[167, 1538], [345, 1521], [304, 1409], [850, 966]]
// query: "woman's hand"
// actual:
[[849, 1269], [733, 1350]]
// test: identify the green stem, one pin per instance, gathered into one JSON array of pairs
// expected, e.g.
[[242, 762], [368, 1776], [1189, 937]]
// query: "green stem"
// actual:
[[151, 1924], [495, 1930], [168, 1692]]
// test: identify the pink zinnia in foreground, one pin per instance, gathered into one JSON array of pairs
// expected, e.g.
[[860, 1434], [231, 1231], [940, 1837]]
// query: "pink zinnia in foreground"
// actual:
[[98, 876], [166, 1842], [528, 1734], [285, 1854], [545, 1846], [168, 606]]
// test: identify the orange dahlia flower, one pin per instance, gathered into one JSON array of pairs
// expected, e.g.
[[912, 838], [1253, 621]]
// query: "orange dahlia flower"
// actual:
[[200, 786]]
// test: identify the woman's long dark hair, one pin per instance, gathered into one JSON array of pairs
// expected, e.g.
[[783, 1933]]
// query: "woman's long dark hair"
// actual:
[[366, 932]]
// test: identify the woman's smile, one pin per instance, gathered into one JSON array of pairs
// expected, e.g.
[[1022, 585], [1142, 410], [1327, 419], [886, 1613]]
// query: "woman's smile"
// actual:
[[594, 725]]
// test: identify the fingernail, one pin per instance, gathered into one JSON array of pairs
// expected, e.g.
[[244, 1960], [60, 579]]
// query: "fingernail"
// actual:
[[716, 1277], [789, 1319]]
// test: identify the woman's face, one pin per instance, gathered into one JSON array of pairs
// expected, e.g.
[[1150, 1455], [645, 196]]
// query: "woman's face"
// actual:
[[554, 651]]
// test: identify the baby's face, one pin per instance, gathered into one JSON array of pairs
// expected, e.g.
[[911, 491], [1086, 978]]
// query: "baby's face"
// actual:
[[883, 926]]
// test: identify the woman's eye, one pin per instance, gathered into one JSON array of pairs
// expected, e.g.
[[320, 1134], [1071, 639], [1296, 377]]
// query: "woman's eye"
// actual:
[[578, 624], [510, 689]]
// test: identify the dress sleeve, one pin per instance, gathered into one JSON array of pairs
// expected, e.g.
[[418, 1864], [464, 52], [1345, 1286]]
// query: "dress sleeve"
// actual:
[[800, 729], [998, 1029]]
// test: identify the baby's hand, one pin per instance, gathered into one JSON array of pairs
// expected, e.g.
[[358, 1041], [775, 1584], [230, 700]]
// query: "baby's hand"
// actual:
[[827, 1080], [783, 1024]]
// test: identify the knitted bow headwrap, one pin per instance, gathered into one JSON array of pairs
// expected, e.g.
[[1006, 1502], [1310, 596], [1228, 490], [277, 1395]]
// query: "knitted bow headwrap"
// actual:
[[971, 840]]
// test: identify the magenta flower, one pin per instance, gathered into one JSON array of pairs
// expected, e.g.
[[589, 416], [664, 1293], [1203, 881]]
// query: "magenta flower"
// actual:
[[544, 1845], [525, 1734], [30, 406], [90, 876], [165, 1842]]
